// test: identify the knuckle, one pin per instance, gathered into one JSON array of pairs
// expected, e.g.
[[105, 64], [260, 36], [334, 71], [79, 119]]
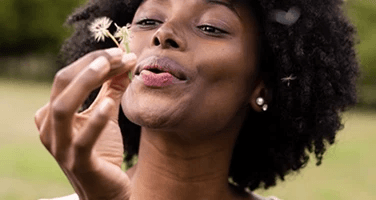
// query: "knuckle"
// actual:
[[45, 141], [62, 77], [37, 121], [101, 115], [96, 70], [99, 120], [40, 115], [37, 116], [59, 110], [92, 55]]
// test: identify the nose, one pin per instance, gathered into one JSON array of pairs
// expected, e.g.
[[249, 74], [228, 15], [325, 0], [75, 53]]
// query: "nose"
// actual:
[[166, 37]]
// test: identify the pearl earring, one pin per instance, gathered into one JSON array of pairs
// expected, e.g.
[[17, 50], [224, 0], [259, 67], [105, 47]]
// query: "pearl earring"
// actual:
[[265, 107], [261, 102]]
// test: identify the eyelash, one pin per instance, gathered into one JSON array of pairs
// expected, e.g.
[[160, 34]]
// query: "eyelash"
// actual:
[[208, 29], [211, 30], [143, 22]]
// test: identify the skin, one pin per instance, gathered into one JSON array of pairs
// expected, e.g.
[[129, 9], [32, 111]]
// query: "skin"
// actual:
[[188, 130]]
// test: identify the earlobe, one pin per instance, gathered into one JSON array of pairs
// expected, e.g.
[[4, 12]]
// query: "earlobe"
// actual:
[[259, 98]]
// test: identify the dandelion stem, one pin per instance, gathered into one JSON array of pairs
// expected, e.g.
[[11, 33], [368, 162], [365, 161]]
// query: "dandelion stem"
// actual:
[[99, 29], [127, 47], [112, 37]]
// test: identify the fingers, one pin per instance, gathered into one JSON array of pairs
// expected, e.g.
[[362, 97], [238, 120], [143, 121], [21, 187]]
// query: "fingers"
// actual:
[[67, 74], [70, 99], [77, 91], [67, 103], [40, 115], [71, 87], [116, 86], [70, 137], [85, 141], [43, 125]]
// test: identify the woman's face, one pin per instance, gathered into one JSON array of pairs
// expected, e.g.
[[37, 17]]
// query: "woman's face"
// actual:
[[196, 65]]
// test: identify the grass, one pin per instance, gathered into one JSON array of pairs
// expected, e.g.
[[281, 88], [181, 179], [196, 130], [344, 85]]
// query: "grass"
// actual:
[[348, 170], [27, 171]]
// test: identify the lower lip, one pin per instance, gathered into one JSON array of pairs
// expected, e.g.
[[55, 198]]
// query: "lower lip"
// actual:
[[158, 80]]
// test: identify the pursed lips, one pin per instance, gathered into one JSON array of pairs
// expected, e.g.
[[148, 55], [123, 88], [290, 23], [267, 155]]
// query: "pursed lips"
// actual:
[[157, 64]]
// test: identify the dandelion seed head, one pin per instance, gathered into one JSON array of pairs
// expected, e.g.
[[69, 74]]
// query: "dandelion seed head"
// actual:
[[123, 33], [99, 28]]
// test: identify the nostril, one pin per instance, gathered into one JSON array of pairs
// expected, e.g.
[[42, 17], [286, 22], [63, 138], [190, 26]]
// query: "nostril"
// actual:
[[172, 43], [165, 43], [156, 42]]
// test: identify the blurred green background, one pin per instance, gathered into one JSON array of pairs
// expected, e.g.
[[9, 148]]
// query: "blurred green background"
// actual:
[[31, 34]]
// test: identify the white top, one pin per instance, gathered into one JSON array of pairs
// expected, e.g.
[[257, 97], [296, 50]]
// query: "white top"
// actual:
[[69, 197], [75, 197]]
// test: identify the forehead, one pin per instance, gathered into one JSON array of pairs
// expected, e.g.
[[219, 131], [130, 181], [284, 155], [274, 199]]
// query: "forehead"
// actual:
[[236, 6], [228, 3]]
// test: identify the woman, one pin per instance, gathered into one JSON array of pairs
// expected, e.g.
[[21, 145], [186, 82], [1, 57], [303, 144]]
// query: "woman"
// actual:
[[225, 96]]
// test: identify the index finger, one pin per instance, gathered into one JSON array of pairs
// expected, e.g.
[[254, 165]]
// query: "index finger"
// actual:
[[67, 74]]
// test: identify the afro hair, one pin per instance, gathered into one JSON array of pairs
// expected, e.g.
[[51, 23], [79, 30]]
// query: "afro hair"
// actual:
[[304, 114]]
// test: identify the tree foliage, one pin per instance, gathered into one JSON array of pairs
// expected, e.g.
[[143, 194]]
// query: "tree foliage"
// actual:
[[33, 25]]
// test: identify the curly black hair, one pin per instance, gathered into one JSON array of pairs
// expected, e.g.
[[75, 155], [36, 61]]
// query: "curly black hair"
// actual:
[[303, 116]]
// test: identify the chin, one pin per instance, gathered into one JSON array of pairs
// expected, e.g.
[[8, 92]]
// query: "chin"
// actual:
[[153, 108], [148, 120], [149, 115]]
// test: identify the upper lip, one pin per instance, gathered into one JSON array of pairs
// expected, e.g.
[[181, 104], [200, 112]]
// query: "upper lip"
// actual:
[[162, 64]]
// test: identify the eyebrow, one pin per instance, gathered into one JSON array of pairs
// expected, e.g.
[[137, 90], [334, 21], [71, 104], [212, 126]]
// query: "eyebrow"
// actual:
[[227, 4]]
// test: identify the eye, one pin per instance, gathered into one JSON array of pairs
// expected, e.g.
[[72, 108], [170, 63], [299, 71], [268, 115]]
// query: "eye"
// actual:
[[211, 30], [148, 22]]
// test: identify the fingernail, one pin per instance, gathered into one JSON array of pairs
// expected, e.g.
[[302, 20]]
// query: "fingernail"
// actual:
[[113, 52], [99, 63], [128, 57]]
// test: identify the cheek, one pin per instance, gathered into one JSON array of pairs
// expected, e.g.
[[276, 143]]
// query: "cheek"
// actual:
[[231, 63], [227, 75], [139, 42]]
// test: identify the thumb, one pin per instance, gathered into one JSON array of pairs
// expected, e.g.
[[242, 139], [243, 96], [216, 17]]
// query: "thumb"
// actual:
[[115, 87]]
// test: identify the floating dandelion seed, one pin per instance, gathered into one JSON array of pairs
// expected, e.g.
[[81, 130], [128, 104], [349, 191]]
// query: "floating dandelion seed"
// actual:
[[288, 79]]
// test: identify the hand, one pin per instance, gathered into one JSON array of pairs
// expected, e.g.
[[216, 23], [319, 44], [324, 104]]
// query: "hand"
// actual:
[[88, 146]]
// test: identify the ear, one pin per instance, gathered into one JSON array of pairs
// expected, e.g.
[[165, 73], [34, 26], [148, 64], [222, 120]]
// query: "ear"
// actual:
[[259, 90]]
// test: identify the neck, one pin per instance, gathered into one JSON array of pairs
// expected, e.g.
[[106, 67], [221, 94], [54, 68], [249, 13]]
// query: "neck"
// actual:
[[172, 168]]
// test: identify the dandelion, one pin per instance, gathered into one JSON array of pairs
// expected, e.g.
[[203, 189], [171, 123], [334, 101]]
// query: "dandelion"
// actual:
[[99, 29], [100, 26], [124, 35]]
